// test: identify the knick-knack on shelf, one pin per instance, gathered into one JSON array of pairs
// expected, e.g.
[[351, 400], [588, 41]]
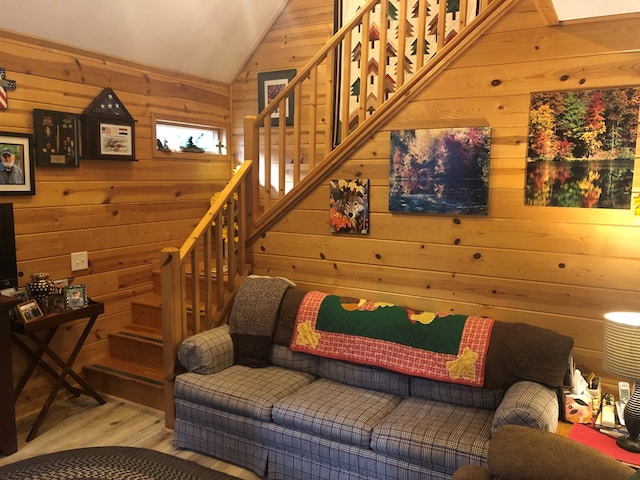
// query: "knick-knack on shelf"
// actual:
[[41, 287]]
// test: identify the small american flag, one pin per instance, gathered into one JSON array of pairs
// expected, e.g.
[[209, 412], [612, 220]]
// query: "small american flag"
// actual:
[[4, 85]]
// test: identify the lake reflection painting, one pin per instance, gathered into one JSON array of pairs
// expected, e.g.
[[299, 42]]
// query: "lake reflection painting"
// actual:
[[581, 148], [444, 170]]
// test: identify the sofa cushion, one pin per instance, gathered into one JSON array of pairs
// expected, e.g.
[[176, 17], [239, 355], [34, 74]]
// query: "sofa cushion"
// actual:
[[285, 358], [372, 378], [246, 391], [335, 411], [435, 434], [456, 394]]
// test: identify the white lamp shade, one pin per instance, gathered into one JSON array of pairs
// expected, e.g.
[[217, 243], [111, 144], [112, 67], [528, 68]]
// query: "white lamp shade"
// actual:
[[621, 345]]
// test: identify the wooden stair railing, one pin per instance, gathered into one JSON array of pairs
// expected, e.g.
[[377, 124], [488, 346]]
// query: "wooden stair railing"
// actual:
[[309, 142], [284, 147], [199, 279]]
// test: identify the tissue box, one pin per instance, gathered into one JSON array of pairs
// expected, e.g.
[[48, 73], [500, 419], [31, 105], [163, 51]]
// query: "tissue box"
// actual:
[[578, 408]]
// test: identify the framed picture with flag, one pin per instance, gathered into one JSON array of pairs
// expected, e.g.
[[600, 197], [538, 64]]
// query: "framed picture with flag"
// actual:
[[108, 130]]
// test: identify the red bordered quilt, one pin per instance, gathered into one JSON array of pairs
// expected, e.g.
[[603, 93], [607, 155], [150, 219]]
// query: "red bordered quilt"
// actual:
[[442, 347]]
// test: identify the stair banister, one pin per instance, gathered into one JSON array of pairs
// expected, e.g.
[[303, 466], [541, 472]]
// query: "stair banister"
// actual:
[[195, 275]]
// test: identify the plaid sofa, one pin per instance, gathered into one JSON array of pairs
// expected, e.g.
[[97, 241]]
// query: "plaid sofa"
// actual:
[[307, 417]]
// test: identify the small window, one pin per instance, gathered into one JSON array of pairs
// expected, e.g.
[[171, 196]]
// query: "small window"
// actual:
[[181, 137]]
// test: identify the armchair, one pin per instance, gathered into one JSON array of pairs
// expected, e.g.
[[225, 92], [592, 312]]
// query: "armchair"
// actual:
[[522, 453]]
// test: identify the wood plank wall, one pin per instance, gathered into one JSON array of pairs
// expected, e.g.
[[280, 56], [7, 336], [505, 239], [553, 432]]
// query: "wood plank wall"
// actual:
[[560, 268], [122, 213]]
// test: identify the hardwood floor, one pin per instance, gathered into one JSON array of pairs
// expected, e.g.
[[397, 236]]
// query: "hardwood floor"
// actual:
[[81, 422]]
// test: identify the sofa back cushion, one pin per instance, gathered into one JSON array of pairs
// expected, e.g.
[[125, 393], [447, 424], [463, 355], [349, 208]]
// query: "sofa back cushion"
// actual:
[[456, 394], [362, 376], [283, 357]]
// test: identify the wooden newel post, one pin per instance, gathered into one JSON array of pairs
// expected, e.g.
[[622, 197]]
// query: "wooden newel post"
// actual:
[[172, 335]]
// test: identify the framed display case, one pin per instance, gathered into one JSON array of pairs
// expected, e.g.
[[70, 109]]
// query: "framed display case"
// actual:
[[108, 130], [56, 138]]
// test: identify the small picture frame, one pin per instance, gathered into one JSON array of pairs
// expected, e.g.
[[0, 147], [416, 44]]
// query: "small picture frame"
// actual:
[[29, 311], [57, 303], [56, 138], [17, 175], [270, 84], [75, 296]]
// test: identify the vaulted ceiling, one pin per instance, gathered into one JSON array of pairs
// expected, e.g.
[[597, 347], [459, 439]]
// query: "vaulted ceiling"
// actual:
[[211, 39]]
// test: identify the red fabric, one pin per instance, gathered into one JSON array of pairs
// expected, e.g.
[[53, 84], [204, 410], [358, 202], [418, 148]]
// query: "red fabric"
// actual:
[[392, 356], [602, 442]]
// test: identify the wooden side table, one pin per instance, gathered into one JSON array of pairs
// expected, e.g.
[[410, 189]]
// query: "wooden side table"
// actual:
[[49, 325], [8, 432]]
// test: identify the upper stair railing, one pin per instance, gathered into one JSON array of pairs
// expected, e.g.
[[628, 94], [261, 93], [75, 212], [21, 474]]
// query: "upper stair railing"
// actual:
[[379, 53]]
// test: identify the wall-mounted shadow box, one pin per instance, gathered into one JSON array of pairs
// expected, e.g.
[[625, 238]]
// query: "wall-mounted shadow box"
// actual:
[[108, 129]]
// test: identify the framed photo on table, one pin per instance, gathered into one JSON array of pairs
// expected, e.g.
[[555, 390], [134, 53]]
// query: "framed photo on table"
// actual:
[[29, 311], [75, 296], [270, 84], [56, 138], [17, 172]]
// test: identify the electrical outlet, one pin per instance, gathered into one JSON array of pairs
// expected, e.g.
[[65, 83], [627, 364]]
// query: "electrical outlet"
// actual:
[[79, 261]]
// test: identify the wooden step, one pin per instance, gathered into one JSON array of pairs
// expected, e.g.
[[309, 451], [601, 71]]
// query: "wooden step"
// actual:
[[137, 344], [146, 310], [127, 380]]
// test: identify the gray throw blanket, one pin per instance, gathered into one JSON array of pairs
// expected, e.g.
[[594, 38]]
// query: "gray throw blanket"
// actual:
[[253, 318]]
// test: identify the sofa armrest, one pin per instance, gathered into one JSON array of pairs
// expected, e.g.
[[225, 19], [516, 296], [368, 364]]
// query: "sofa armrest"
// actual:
[[529, 404], [207, 352]]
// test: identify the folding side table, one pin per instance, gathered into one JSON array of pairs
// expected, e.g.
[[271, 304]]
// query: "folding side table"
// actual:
[[49, 324]]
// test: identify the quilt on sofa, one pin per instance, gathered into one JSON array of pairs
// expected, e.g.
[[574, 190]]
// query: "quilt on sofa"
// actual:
[[444, 347]]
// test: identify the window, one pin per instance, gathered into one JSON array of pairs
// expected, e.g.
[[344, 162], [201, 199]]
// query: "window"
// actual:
[[182, 137]]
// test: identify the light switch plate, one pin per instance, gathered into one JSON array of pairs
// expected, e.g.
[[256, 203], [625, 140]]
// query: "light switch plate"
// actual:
[[79, 261]]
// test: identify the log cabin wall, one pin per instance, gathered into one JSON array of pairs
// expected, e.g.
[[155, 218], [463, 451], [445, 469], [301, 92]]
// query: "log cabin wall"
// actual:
[[123, 213], [560, 268]]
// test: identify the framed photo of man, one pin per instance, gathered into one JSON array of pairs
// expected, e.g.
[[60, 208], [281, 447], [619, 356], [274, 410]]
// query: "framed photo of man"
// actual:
[[17, 172]]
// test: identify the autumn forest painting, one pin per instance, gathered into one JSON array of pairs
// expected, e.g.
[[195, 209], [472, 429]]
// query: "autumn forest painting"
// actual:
[[442, 170], [581, 148]]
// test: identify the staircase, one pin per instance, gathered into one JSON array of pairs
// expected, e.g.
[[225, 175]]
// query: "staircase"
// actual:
[[133, 369], [142, 365]]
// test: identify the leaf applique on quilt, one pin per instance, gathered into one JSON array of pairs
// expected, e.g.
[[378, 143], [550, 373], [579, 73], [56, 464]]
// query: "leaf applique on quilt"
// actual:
[[422, 317], [464, 366], [307, 335]]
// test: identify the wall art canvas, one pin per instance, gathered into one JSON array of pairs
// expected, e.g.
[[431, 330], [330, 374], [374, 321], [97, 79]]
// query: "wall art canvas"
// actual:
[[270, 84], [442, 170], [349, 206], [581, 148]]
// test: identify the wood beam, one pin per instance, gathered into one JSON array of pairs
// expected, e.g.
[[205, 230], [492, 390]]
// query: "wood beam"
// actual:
[[548, 11]]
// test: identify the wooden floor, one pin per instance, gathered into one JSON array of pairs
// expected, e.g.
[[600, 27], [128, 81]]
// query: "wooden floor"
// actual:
[[81, 422]]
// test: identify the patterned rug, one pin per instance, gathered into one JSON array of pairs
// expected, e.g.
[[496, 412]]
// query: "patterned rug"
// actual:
[[108, 463]]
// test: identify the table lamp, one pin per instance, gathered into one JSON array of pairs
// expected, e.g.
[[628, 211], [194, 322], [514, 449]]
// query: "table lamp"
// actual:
[[621, 357]]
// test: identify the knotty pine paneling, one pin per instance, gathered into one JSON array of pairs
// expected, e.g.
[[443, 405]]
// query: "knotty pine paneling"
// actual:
[[300, 31], [559, 268], [122, 213]]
